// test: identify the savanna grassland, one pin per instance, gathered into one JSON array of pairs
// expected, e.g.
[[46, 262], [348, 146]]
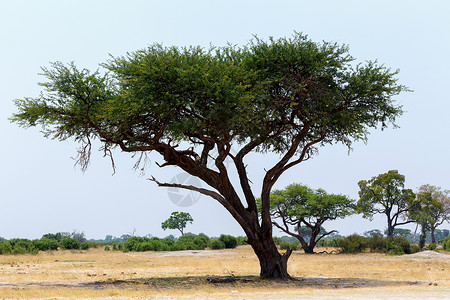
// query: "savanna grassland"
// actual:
[[96, 273]]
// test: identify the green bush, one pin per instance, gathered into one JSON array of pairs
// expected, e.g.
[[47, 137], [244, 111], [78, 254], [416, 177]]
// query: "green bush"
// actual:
[[191, 242], [45, 244], [131, 242], [70, 243], [446, 243], [5, 247], [107, 248], [216, 244], [329, 242], [229, 241], [353, 244], [414, 248], [293, 246], [376, 243], [432, 246], [22, 246], [398, 245]]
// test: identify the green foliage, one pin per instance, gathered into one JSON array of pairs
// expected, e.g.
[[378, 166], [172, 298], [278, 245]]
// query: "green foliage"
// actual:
[[422, 241], [446, 244], [46, 244], [432, 208], [377, 243], [353, 244], [395, 245], [177, 220], [228, 240], [291, 245], [398, 245], [242, 240], [107, 248], [5, 247], [385, 194], [414, 248], [70, 243], [216, 244], [22, 246], [329, 242], [306, 210], [432, 246]]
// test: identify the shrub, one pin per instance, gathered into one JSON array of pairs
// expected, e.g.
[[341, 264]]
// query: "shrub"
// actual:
[[5, 247], [376, 243], [107, 248], [398, 245], [229, 241], [70, 243], [22, 246], [216, 244], [329, 242], [353, 244], [446, 243], [45, 244], [85, 245], [284, 245], [131, 242], [242, 240], [414, 248], [432, 246], [191, 242]]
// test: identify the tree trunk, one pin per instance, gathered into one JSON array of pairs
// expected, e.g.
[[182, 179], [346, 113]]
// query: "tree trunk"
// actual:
[[433, 240], [273, 264]]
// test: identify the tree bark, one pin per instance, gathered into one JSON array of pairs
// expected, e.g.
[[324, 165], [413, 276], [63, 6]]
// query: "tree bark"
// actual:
[[273, 264], [433, 239]]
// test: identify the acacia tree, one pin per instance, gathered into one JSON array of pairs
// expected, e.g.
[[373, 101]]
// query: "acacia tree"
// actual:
[[177, 220], [302, 207], [385, 194], [432, 208], [286, 96]]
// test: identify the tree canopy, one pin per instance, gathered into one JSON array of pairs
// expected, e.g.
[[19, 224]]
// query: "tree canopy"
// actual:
[[432, 208], [385, 194], [302, 207], [177, 220], [287, 95]]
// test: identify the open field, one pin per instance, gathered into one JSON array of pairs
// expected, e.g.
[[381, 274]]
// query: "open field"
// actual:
[[165, 275]]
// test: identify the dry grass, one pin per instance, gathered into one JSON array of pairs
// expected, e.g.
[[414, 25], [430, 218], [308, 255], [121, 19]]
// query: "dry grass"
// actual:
[[100, 274]]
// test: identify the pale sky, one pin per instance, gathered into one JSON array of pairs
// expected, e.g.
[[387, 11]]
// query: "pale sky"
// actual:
[[41, 191]]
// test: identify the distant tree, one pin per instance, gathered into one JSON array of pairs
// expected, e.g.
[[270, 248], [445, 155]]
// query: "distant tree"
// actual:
[[306, 210], [177, 220], [373, 232], [433, 208], [57, 236], [385, 194], [79, 236], [197, 107]]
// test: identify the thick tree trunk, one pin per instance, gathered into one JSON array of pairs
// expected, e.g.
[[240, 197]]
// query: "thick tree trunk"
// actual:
[[273, 264]]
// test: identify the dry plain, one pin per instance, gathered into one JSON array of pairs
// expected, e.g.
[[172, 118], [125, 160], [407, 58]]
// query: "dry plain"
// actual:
[[184, 275]]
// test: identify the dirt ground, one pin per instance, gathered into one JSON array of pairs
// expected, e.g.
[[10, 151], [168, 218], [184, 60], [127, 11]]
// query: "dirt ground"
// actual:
[[194, 274]]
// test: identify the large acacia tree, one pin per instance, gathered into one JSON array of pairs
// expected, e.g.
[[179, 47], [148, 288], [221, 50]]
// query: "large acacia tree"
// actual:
[[193, 106]]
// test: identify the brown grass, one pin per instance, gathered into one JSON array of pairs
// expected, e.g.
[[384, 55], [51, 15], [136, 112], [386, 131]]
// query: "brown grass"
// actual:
[[102, 274]]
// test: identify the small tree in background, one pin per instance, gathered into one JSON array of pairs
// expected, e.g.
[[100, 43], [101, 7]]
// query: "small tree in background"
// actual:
[[307, 209], [432, 208], [177, 220], [385, 194]]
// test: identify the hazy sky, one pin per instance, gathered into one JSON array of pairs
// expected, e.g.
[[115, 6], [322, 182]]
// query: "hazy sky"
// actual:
[[40, 189]]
